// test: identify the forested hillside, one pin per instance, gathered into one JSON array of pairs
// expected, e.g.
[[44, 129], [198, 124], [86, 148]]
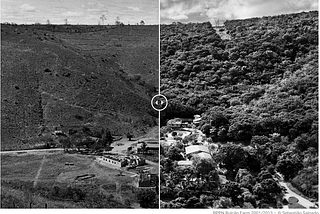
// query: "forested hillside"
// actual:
[[260, 88]]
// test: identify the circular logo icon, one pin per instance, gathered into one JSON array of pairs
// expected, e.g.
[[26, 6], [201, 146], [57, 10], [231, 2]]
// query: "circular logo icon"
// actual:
[[159, 102]]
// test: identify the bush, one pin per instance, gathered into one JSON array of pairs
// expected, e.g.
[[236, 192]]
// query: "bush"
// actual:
[[147, 198]]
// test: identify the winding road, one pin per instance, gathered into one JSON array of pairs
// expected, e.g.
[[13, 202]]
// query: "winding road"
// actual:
[[289, 193]]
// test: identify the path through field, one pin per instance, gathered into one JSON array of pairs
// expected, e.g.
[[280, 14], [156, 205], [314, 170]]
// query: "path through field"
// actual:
[[87, 109], [39, 171], [118, 191]]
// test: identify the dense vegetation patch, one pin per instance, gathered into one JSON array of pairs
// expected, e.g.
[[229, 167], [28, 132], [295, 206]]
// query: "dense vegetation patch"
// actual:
[[258, 88]]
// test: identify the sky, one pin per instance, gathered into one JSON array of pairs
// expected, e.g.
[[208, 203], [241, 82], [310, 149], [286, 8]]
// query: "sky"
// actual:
[[213, 10], [79, 11]]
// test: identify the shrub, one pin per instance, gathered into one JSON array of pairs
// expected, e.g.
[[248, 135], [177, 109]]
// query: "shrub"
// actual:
[[147, 198]]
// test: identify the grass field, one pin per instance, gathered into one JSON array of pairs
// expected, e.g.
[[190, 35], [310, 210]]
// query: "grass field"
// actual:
[[33, 178], [55, 76]]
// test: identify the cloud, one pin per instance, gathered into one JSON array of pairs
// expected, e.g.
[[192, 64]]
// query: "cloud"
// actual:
[[71, 14], [134, 8], [28, 8], [94, 7], [180, 10], [91, 5], [208, 10]]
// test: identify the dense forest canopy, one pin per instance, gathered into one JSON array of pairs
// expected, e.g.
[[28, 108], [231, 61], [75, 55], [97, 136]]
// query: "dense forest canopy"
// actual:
[[266, 75], [254, 82]]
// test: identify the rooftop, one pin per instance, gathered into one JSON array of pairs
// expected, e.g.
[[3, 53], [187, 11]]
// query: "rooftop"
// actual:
[[184, 163], [203, 155], [196, 148]]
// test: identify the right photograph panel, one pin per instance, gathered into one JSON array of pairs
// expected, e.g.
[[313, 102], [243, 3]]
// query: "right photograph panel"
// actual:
[[241, 126]]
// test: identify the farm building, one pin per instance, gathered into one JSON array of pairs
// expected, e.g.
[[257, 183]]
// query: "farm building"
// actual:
[[193, 149], [179, 123], [151, 146], [151, 141], [136, 161], [117, 161], [120, 160], [174, 123]]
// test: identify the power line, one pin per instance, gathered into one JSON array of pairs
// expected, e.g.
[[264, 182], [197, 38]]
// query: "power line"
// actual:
[[294, 4]]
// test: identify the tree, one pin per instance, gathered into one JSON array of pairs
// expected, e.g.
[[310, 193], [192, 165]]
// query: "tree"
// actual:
[[129, 136], [147, 198], [261, 140], [65, 142], [289, 164], [203, 166], [223, 202], [206, 129], [142, 22], [118, 22], [194, 202], [241, 128], [144, 147], [287, 168], [217, 116], [174, 154], [106, 139], [231, 190], [232, 157], [86, 131], [103, 18], [305, 141], [174, 134], [268, 189], [245, 178], [167, 164]]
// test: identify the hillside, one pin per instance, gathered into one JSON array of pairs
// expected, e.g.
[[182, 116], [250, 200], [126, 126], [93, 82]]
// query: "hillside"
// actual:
[[270, 60], [68, 76], [257, 92]]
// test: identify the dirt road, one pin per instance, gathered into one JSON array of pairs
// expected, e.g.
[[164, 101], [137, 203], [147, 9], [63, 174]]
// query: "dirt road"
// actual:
[[31, 151], [304, 202], [36, 179]]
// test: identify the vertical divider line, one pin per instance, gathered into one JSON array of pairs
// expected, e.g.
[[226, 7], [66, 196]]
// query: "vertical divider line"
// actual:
[[159, 161], [159, 67]]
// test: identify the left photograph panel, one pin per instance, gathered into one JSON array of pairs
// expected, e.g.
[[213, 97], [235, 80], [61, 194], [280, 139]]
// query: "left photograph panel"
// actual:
[[77, 126]]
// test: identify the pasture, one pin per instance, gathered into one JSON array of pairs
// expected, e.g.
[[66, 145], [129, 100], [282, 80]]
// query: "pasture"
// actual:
[[44, 179]]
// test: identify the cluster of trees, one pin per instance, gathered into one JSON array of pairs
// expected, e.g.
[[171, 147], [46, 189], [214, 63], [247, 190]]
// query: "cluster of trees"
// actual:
[[77, 196], [258, 89], [93, 139], [248, 182], [148, 198]]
